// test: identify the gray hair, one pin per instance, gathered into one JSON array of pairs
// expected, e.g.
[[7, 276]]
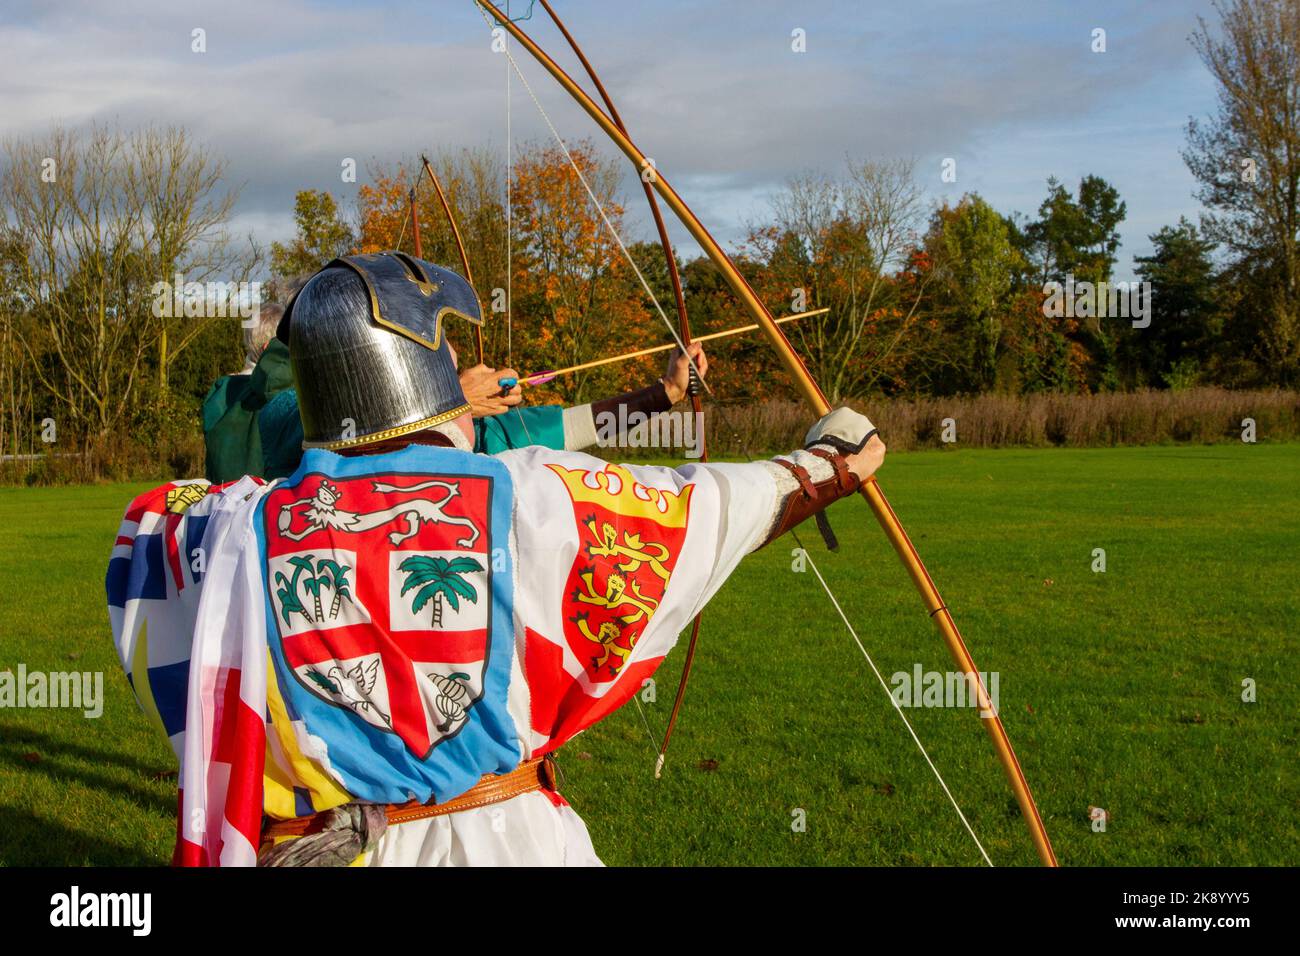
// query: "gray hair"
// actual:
[[258, 335], [293, 284]]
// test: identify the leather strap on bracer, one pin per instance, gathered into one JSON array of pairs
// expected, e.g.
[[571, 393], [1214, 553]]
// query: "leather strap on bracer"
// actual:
[[812, 498], [836, 435]]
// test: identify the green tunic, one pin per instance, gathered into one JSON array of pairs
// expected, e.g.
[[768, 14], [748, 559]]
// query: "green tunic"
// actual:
[[536, 425], [232, 412]]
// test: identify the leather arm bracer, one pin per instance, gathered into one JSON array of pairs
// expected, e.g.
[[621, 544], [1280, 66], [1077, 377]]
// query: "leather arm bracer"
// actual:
[[813, 497], [650, 400]]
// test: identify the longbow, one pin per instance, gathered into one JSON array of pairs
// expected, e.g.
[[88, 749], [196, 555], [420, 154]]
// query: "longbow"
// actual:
[[816, 399]]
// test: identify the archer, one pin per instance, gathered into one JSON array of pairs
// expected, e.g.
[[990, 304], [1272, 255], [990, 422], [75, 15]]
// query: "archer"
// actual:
[[451, 716]]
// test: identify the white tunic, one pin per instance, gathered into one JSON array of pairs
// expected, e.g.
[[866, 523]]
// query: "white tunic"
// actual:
[[610, 563]]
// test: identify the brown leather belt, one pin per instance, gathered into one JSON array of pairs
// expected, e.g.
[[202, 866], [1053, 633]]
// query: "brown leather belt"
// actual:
[[538, 774]]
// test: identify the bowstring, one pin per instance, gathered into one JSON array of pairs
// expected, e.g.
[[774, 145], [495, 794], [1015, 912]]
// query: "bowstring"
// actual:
[[510, 243], [401, 233], [509, 208], [644, 719], [599, 206], [875, 670], [513, 66], [897, 707]]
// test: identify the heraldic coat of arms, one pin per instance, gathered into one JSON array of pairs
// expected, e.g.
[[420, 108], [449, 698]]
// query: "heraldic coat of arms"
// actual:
[[387, 607]]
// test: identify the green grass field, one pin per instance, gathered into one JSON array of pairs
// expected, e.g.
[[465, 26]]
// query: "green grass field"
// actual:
[[1120, 690]]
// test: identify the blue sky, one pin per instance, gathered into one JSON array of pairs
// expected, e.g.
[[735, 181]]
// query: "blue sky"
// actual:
[[1010, 89]]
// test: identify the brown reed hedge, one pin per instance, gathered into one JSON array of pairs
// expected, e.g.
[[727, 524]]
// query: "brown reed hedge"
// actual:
[[754, 429], [1198, 415]]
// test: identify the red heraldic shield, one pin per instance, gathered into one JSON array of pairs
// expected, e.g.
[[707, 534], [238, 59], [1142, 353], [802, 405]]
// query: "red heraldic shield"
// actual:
[[382, 593], [630, 536]]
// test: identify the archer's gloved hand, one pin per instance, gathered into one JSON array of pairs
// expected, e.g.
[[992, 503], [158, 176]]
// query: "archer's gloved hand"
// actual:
[[842, 451], [852, 436]]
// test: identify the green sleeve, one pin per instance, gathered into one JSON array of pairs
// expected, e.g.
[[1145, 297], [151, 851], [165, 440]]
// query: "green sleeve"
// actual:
[[536, 425], [280, 429], [281, 435], [225, 392], [233, 449]]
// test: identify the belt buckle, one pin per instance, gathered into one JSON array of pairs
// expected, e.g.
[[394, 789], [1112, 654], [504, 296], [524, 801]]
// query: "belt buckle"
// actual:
[[547, 772]]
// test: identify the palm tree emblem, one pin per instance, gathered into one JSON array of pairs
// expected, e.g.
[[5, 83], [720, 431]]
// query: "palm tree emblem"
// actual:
[[336, 579], [436, 579], [309, 576]]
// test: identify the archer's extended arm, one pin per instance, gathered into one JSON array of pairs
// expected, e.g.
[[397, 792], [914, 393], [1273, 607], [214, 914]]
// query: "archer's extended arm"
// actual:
[[840, 452], [608, 418]]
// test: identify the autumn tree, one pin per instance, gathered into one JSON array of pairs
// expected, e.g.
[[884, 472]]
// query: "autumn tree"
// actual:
[[849, 245], [98, 221], [1186, 322], [1076, 237], [184, 214], [17, 398], [474, 182], [976, 264], [1246, 158], [321, 235], [382, 211], [570, 278]]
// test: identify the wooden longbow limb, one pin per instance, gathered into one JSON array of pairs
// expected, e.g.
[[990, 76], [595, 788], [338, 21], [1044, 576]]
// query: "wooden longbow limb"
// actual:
[[812, 393], [460, 248], [415, 225], [683, 327]]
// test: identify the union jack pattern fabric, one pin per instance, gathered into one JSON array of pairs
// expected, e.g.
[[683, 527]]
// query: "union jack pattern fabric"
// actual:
[[175, 562]]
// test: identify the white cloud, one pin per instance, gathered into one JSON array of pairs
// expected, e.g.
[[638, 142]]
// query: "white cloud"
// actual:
[[713, 92]]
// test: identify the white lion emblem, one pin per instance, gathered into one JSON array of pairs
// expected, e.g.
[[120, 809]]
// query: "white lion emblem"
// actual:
[[320, 511]]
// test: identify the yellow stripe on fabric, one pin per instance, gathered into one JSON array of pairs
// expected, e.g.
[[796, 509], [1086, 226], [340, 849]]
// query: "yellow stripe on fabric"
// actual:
[[277, 789], [279, 781], [140, 677]]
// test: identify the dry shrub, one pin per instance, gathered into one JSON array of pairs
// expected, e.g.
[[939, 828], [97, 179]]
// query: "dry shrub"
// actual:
[[1199, 415], [173, 448], [113, 458]]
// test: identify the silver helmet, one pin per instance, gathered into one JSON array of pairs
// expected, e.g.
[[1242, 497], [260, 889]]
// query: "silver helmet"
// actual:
[[370, 360]]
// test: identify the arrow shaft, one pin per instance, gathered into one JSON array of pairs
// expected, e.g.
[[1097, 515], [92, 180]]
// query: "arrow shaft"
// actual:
[[655, 349]]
